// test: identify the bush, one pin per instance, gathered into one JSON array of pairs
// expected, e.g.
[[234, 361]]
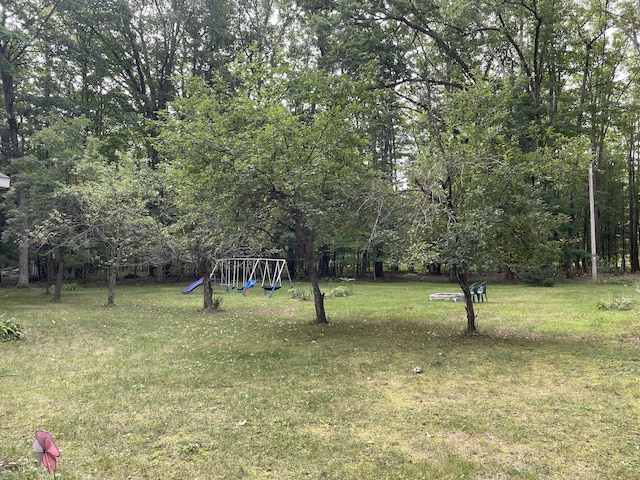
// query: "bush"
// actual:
[[617, 304], [340, 291], [538, 275], [10, 329], [302, 294]]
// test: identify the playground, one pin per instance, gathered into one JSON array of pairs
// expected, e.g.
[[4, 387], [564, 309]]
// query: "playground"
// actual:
[[392, 388], [241, 274]]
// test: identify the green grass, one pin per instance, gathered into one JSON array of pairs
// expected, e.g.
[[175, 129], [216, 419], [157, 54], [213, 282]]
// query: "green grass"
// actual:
[[154, 388]]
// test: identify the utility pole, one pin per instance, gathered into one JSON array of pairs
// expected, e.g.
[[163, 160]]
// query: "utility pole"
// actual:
[[592, 212]]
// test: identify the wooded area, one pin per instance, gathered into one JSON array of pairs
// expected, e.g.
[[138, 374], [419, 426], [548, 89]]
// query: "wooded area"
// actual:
[[348, 137]]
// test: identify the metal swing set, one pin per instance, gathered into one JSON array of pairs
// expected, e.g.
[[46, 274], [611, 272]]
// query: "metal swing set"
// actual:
[[244, 273]]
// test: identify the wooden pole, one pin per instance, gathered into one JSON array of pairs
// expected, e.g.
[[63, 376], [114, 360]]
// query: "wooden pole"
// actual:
[[592, 212]]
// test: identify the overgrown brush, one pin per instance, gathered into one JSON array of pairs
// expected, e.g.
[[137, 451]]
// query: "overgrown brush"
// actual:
[[10, 329], [302, 294], [538, 275], [617, 304], [340, 291]]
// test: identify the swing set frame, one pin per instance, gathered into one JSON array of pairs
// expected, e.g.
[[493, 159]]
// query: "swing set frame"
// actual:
[[243, 273]]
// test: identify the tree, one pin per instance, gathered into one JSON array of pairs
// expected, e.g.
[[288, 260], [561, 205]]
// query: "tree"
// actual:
[[467, 177], [198, 231], [284, 151], [55, 152], [107, 208], [147, 46], [23, 25]]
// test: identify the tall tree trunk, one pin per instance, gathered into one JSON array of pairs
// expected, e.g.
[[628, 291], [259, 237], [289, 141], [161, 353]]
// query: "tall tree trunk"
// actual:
[[11, 146], [112, 276], [23, 244], [57, 291], [378, 267], [634, 227], [11, 136], [49, 269], [325, 260]]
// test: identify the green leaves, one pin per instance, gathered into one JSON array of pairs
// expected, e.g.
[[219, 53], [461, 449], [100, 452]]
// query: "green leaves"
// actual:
[[288, 145], [479, 210], [10, 329]]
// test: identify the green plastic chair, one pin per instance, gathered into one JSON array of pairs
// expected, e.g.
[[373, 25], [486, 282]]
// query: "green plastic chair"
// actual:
[[481, 292], [474, 290]]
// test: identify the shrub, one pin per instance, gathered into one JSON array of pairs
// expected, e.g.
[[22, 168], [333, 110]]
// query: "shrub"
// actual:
[[539, 275], [70, 287], [340, 291], [10, 329], [617, 304], [624, 280], [302, 294]]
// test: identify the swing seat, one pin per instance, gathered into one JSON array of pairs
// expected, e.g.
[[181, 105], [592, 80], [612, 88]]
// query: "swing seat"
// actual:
[[271, 287], [247, 286]]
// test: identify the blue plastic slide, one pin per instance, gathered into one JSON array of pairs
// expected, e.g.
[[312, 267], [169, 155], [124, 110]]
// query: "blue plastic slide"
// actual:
[[193, 286]]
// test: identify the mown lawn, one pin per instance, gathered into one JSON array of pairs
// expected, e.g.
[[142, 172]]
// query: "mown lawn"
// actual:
[[154, 388]]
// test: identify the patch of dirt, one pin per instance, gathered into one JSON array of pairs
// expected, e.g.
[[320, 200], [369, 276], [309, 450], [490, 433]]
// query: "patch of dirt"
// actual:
[[635, 342]]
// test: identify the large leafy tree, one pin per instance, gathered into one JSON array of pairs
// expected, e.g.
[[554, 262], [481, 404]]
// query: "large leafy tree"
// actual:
[[24, 29], [284, 150], [56, 150], [474, 213], [200, 229], [133, 53]]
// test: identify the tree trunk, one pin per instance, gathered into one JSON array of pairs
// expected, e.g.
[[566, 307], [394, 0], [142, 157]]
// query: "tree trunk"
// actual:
[[463, 281], [306, 241], [49, 269], [634, 227], [57, 291], [23, 248], [318, 301], [112, 276], [325, 261], [206, 285], [10, 141], [378, 267]]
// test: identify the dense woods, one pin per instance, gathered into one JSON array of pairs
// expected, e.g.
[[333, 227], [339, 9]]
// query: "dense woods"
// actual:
[[350, 137]]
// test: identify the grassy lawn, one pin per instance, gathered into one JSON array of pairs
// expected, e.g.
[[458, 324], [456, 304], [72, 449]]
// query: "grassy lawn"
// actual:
[[154, 388]]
